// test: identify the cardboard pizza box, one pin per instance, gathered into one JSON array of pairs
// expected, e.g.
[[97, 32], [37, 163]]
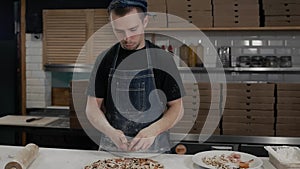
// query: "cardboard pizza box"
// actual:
[[205, 112], [199, 5], [216, 131], [249, 119], [248, 132], [189, 14], [239, 99], [251, 86], [191, 99], [235, 1], [288, 120], [288, 100], [282, 23], [236, 12], [288, 113], [250, 93], [190, 85], [180, 3], [239, 112], [191, 105], [209, 99], [235, 19], [208, 86], [288, 86], [288, 106], [181, 24], [279, 1], [281, 93], [193, 92], [249, 106], [202, 22], [233, 24], [287, 133], [292, 126], [248, 126], [247, 7]]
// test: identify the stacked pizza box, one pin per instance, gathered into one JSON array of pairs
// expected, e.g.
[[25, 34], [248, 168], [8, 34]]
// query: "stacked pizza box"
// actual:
[[209, 115], [288, 110], [157, 12], [183, 12], [281, 12], [200, 109], [249, 109], [236, 13], [191, 102]]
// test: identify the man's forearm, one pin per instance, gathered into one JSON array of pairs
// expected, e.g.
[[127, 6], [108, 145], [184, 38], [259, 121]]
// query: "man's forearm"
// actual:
[[169, 119], [96, 116]]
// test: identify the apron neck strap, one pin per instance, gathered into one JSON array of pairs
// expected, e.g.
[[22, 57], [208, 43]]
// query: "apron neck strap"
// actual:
[[149, 62]]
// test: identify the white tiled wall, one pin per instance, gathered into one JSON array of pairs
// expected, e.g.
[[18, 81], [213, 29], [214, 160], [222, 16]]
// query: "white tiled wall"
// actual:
[[38, 82], [264, 43], [250, 43]]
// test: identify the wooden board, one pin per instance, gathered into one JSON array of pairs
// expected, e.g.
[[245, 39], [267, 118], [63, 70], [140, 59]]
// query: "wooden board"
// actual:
[[18, 120]]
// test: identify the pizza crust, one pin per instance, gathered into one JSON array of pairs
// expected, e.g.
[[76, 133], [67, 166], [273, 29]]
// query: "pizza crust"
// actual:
[[125, 163]]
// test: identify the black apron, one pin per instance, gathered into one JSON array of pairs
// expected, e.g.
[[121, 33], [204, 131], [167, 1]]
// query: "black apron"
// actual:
[[133, 103]]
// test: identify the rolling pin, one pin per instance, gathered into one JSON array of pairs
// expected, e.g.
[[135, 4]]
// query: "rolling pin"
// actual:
[[24, 157]]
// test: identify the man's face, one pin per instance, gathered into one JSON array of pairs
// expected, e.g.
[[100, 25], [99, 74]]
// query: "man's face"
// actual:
[[129, 29]]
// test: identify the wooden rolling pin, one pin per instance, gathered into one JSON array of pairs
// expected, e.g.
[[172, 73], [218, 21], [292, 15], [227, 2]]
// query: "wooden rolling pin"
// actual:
[[24, 157]]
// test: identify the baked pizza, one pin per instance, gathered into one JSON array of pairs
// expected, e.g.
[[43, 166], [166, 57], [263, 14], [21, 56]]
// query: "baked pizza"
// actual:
[[125, 163]]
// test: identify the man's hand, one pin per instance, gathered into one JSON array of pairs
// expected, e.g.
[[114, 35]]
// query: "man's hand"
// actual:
[[119, 139], [143, 140]]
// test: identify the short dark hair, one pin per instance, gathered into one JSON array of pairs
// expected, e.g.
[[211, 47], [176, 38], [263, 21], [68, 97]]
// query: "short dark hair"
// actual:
[[124, 11], [115, 4]]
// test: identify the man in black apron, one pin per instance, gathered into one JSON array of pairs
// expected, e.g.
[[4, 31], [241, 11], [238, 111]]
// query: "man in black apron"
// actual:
[[123, 100]]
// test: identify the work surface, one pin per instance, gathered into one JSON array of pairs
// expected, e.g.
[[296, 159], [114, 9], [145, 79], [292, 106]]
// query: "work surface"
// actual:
[[18, 120], [77, 159]]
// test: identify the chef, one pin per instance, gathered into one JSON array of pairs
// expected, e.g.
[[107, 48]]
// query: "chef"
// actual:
[[131, 100]]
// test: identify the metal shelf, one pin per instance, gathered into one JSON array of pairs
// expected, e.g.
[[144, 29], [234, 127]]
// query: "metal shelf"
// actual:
[[68, 68], [88, 68], [240, 69], [274, 28]]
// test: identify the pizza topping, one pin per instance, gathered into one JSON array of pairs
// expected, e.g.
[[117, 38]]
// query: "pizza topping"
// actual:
[[125, 163], [232, 161]]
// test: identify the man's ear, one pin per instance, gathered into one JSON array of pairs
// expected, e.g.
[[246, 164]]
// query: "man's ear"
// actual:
[[146, 20]]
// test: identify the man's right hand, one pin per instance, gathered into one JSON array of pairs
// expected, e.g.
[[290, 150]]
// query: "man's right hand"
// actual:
[[119, 139]]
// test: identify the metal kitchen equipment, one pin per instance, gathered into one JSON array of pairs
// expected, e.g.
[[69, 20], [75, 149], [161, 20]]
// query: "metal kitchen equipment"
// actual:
[[224, 53], [271, 61], [243, 61], [257, 61], [285, 61]]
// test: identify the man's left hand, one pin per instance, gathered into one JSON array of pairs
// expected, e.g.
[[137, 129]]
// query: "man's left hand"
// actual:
[[143, 140]]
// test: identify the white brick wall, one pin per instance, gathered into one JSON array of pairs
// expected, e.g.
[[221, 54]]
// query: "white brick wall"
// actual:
[[242, 43], [38, 82]]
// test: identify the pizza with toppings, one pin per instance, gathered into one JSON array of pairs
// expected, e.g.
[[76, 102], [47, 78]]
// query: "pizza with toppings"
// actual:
[[125, 163]]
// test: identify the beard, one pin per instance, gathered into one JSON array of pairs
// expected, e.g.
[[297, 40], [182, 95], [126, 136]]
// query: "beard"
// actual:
[[129, 45]]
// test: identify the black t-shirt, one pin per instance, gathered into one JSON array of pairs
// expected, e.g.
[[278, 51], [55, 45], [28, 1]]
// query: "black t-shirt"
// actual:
[[170, 83]]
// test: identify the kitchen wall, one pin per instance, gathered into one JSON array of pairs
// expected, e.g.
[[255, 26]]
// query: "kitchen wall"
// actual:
[[38, 82], [266, 43], [250, 43]]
